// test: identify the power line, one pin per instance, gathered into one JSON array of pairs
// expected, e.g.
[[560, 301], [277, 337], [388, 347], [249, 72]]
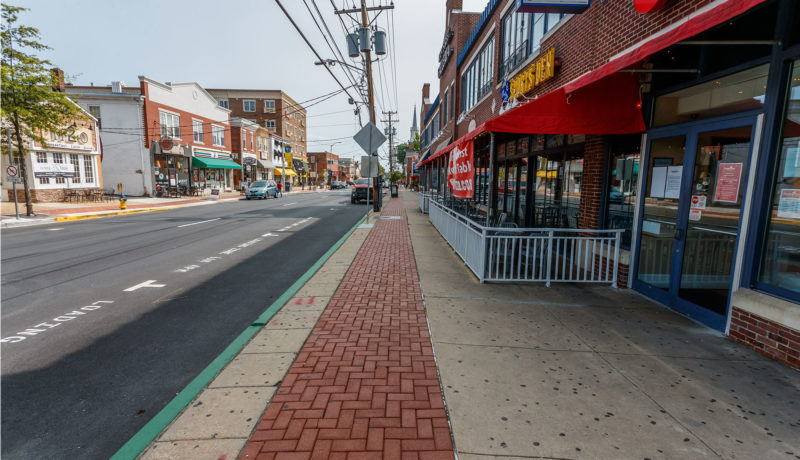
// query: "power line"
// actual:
[[288, 16]]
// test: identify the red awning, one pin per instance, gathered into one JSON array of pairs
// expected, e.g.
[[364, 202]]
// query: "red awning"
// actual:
[[609, 106], [603, 101], [467, 137], [699, 21]]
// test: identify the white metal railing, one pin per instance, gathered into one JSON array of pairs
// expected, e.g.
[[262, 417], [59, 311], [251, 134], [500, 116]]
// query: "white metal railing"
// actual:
[[424, 198], [530, 254]]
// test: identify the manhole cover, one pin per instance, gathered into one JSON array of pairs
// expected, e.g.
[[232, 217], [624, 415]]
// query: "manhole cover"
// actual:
[[388, 218]]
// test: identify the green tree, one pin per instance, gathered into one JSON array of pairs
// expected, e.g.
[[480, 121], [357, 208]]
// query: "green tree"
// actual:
[[401, 153], [29, 103], [396, 176]]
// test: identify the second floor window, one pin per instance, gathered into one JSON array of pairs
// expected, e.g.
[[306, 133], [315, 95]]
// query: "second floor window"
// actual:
[[197, 130], [218, 135], [249, 105], [269, 124], [223, 103], [170, 125], [269, 105], [95, 111], [516, 33], [476, 82]]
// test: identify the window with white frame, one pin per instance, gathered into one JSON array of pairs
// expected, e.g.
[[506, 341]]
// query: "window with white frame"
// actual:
[[249, 105], [476, 81], [76, 166], [197, 131], [41, 157], [59, 158], [218, 135], [269, 105], [269, 124], [223, 103], [170, 125], [88, 168], [258, 139]]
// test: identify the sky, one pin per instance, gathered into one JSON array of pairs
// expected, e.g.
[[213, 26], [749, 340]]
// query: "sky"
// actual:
[[247, 44]]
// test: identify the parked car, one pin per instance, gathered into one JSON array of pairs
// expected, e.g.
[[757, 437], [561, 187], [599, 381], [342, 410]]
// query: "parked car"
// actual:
[[262, 189], [361, 191]]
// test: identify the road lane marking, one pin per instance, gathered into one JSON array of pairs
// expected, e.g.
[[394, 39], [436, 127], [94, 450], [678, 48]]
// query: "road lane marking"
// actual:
[[201, 222], [55, 229], [148, 283], [55, 322], [268, 234], [288, 204]]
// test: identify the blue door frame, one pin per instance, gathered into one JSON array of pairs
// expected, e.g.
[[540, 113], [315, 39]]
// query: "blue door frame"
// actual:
[[690, 130]]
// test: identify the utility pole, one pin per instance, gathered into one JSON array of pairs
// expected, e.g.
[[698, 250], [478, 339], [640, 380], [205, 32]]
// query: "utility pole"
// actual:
[[391, 140], [370, 92]]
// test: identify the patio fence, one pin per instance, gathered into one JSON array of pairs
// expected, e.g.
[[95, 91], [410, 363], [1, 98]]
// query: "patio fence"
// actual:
[[545, 255]]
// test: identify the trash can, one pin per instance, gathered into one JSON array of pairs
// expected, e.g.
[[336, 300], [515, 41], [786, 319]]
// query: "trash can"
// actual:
[[393, 190]]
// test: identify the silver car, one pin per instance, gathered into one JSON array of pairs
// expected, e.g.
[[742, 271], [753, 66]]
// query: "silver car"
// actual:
[[262, 189]]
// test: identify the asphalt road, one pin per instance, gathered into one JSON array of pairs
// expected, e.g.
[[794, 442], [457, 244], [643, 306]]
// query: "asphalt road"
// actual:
[[104, 321]]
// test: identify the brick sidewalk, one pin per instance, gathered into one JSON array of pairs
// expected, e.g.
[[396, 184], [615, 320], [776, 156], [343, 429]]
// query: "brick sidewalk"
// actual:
[[365, 384]]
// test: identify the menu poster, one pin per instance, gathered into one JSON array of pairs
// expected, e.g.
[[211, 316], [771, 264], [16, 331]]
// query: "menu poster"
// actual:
[[789, 204], [511, 148], [729, 177], [658, 182], [672, 188], [538, 144]]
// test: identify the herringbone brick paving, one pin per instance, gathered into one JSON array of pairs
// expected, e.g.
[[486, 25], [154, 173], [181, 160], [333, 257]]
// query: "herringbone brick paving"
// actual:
[[365, 383]]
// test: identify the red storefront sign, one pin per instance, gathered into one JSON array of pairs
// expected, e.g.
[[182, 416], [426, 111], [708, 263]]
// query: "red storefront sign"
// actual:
[[461, 171]]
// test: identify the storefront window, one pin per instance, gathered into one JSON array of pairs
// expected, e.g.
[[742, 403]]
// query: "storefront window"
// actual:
[[733, 93], [780, 265], [623, 180]]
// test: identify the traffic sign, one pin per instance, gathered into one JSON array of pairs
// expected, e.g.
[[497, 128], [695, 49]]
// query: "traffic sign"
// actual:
[[369, 138], [12, 174]]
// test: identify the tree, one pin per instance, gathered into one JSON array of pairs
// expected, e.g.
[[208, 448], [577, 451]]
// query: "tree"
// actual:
[[29, 102], [396, 176], [401, 153]]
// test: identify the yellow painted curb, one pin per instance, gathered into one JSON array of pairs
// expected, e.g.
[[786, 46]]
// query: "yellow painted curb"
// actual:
[[111, 214]]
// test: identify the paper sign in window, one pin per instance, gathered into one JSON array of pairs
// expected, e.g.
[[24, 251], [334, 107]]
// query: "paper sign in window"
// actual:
[[789, 204], [729, 177], [673, 186], [658, 182]]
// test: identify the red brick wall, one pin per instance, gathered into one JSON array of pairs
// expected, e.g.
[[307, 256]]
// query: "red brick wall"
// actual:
[[152, 127], [594, 158], [584, 42], [767, 337]]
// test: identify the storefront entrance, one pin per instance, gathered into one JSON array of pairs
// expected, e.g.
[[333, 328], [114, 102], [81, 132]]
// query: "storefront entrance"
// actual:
[[694, 188]]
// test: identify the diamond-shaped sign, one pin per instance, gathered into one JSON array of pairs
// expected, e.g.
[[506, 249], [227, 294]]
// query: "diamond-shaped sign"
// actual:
[[369, 138]]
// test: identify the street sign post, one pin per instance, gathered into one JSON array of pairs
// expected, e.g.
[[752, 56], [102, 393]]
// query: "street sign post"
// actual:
[[12, 174], [369, 138]]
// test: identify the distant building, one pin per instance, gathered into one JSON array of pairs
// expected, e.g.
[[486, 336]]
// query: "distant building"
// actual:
[[324, 167]]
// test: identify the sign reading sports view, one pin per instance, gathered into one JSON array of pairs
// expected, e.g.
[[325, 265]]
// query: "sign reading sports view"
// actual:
[[538, 72], [461, 171]]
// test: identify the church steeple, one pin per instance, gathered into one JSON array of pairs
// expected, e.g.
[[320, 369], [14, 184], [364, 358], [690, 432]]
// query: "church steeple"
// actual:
[[414, 129]]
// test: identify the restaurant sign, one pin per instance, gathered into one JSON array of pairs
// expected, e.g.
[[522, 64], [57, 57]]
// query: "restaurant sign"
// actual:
[[460, 170], [53, 170], [538, 72]]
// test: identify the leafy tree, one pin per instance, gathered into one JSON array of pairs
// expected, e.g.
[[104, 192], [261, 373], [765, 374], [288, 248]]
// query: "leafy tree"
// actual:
[[396, 176], [29, 102], [401, 153]]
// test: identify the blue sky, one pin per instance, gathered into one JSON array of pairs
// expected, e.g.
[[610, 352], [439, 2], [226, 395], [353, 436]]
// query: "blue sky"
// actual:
[[246, 44]]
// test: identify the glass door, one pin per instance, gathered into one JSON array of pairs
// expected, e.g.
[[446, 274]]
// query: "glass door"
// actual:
[[689, 226]]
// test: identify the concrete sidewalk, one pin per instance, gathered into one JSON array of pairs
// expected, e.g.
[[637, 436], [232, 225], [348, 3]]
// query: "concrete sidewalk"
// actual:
[[568, 372], [588, 372]]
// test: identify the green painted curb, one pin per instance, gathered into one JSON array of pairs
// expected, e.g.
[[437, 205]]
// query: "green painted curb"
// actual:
[[139, 442]]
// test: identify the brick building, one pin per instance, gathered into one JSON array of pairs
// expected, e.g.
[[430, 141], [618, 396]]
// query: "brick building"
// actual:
[[658, 123], [324, 168]]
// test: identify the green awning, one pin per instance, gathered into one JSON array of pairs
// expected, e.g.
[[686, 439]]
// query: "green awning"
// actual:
[[198, 162]]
